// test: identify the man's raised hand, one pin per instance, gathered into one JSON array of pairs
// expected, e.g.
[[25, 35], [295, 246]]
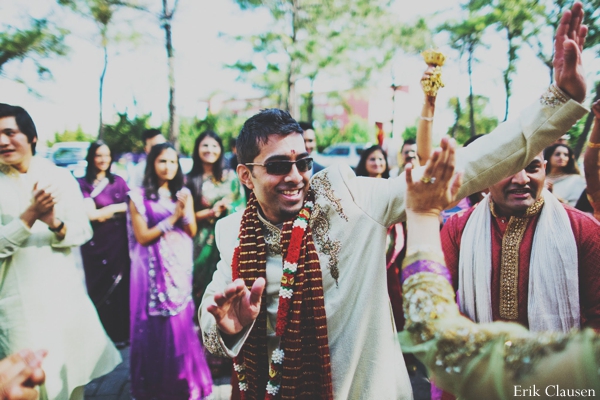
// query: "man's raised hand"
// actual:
[[237, 307], [568, 45]]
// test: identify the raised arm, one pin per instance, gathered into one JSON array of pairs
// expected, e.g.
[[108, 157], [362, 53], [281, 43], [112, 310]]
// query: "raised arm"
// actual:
[[591, 163], [475, 361], [425, 125]]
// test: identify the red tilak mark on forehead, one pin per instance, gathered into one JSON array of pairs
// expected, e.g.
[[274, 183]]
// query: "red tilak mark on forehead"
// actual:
[[293, 152]]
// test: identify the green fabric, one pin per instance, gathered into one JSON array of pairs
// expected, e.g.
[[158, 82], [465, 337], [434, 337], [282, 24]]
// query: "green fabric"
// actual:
[[206, 254]]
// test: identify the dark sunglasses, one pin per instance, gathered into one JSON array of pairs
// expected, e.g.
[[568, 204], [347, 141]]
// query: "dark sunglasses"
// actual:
[[284, 167]]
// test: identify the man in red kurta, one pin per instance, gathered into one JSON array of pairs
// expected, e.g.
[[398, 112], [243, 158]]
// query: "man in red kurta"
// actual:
[[514, 206]]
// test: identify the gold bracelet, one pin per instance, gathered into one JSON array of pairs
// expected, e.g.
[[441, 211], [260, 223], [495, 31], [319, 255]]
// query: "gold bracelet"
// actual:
[[592, 145]]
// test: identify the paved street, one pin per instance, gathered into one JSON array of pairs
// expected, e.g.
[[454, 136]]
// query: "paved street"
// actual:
[[115, 386]]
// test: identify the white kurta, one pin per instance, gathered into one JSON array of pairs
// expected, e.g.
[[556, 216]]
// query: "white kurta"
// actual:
[[350, 222], [43, 301]]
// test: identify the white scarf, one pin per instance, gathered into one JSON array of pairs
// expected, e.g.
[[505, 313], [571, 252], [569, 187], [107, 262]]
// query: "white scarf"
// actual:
[[553, 269]]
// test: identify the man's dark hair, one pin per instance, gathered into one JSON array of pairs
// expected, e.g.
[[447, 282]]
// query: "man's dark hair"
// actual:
[[306, 125], [149, 134], [258, 128], [409, 141], [23, 120]]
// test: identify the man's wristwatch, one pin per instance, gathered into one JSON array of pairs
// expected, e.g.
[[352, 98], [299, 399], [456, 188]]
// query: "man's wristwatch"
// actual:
[[58, 228]]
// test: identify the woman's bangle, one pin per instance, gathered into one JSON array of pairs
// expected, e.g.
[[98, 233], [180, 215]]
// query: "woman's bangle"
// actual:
[[165, 225], [592, 145], [430, 119]]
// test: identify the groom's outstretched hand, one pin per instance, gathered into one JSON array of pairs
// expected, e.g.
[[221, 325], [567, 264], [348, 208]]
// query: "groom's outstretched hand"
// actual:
[[238, 306]]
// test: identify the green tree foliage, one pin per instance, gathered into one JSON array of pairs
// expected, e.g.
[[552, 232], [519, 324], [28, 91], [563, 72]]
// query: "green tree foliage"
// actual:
[[224, 124], [542, 38], [466, 37], [102, 13], [77, 135], [410, 133], [357, 130], [484, 123], [311, 38], [126, 134], [37, 42], [518, 19]]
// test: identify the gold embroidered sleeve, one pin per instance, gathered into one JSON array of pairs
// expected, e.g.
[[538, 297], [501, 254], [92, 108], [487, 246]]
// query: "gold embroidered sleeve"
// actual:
[[491, 361], [213, 342]]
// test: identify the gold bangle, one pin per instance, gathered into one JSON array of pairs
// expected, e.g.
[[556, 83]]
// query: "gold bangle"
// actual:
[[592, 145]]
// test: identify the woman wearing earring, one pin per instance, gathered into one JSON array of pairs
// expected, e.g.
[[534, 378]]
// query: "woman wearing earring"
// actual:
[[216, 192], [167, 359], [106, 256]]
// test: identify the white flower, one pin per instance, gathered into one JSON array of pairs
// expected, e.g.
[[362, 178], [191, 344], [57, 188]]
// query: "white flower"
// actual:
[[301, 223], [309, 204], [272, 390], [277, 356], [292, 267], [243, 386], [286, 293], [239, 367]]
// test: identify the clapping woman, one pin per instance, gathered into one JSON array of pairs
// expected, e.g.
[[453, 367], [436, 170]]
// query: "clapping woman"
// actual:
[[167, 359], [106, 256]]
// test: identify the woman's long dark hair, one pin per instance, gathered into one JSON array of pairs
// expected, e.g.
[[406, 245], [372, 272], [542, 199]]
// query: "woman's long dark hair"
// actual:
[[194, 178], [361, 168], [198, 166], [91, 172], [151, 179], [571, 168]]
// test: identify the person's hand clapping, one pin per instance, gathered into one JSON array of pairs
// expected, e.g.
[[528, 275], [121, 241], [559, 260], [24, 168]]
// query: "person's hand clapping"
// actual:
[[438, 186], [237, 307], [20, 373], [180, 205]]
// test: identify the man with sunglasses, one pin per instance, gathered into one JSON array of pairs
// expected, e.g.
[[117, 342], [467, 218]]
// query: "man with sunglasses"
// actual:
[[299, 297]]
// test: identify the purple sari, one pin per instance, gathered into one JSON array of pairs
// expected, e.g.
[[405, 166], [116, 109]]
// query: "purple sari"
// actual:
[[106, 260], [167, 360]]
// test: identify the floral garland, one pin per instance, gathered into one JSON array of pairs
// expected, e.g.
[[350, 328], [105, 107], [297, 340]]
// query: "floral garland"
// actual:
[[286, 292]]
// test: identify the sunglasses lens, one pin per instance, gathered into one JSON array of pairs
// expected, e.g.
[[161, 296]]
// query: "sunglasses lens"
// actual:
[[278, 167], [305, 164], [284, 167]]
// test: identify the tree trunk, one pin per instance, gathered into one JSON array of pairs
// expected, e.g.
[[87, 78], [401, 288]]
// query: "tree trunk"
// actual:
[[457, 113], [310, 101], [586, 128], [167, 18], [101, 91], [512, 55], [471, 101], [292, 103]]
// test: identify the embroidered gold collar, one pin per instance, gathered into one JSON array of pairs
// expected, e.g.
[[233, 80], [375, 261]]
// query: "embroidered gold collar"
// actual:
[[509, 261], [272, 236]]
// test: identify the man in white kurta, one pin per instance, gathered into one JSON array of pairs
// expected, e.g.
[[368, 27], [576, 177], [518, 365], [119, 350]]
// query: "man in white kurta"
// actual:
[[350, 223], [43, 302]]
